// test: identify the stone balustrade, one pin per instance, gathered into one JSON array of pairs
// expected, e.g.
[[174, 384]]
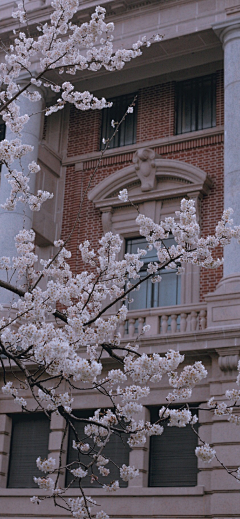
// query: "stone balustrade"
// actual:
[[166, 320]]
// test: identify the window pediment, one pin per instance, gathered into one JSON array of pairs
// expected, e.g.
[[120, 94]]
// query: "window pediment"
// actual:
[[151, 177]]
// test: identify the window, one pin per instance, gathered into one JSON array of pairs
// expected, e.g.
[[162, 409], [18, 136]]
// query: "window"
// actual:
[[172, 461], [196, 104], [2, 130], [116, 449], [2, 134], [165, 293], [29, 440], [127, 130]]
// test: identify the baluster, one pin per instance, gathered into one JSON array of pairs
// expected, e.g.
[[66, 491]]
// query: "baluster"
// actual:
[[193, 321], [131, 327], [164, 323], [188, 322], [183, 323], [173, 323], [203, 319], [140, 324], [122, 329]]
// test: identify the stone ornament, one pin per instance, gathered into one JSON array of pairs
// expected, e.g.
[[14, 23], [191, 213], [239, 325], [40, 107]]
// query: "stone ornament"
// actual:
[[145, 167], [228, 362]]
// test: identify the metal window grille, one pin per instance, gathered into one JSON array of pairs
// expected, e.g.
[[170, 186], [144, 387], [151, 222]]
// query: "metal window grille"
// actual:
[[116, 450], [196, 104], [128, 129], [150, 295], [172, 460], [30, 435]]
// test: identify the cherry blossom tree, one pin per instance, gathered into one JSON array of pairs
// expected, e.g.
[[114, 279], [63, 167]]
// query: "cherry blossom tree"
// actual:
[[44, 330]]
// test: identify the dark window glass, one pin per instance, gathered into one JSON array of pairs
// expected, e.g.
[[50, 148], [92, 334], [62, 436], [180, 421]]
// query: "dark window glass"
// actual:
[[127, 130], [196, 104], [165, 293], [116, 449], [2, 134], [2, 130], [172, 461], [30, 434]]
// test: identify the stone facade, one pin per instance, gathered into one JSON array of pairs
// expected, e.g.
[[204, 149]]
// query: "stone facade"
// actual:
[[201, 38]]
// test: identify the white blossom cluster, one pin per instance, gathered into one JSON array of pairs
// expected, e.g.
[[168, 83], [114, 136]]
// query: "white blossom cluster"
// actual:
[[186, 381], [205, 453], [73, 351], [179, 418], [227, 408], [47, 465], [127, 473], [65, 47], [70, 356], [100, 430], [8, 389], [79, 472], [45, 483], [78, 507], [81, 510]]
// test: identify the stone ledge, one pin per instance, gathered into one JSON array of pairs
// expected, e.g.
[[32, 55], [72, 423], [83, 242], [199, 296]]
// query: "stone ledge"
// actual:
[[127, 492], [174, 139]]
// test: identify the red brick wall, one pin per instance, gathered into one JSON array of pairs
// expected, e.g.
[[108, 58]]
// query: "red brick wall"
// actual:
[[84, 131], [155, 120], [155, 112]]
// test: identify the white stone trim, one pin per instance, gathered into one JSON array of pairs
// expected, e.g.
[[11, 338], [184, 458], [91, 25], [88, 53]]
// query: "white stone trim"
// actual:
[[157, 187]]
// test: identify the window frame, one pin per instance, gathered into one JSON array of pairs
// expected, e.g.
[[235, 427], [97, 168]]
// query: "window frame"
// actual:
[[154, 288]]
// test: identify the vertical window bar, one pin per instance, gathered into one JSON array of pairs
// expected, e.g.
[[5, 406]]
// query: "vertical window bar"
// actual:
[[196, 104]]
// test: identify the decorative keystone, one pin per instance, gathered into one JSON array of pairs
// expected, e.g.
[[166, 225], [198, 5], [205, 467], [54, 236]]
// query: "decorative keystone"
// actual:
[[145, 167]]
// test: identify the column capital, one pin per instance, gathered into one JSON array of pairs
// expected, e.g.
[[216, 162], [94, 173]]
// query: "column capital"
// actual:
[[227, 31]]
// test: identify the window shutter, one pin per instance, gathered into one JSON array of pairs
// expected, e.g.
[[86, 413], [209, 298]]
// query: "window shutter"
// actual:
[[173, 462], [29, 440], [116, 449]]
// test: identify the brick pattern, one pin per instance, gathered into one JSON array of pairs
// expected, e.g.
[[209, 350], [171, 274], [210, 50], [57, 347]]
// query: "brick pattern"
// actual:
[[84, 131], [156, 112], [208, 157], [155, 120]]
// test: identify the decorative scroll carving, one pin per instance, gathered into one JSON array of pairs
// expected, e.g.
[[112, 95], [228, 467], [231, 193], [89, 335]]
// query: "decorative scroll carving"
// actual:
[[228, 362], [145, 167]]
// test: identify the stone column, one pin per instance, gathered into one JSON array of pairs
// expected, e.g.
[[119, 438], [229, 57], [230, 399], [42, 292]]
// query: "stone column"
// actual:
[[223, 306], [230, 37], [12, 221]]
